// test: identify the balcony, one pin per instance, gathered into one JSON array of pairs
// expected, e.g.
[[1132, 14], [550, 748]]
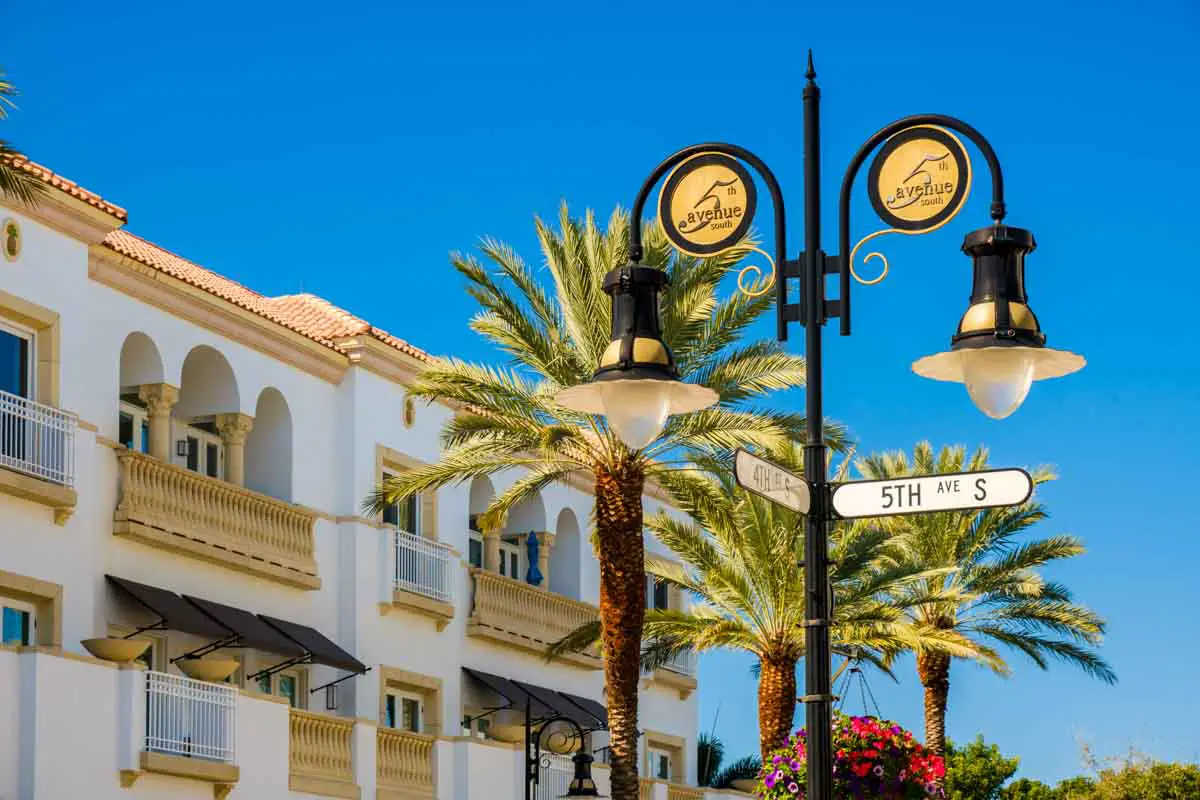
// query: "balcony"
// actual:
[[321, 755], [524, 616], [173, 508], [404, 764], [190, 731], [37, 454], [423, 573], [678, 673]]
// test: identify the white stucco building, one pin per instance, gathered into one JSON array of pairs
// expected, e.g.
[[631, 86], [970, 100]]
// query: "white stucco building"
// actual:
[[183, 460]]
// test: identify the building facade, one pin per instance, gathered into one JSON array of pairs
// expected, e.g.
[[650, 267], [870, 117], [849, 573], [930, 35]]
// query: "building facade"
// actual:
[[184, 461]]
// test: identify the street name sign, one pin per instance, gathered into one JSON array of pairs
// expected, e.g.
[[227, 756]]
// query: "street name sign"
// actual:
[[955, 492], [771, 481]]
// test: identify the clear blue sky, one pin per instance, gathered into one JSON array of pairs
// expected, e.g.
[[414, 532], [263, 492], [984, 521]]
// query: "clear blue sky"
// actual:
[[345, 148]]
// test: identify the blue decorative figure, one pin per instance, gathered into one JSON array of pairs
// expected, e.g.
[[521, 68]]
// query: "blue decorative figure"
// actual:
[[534, 575]]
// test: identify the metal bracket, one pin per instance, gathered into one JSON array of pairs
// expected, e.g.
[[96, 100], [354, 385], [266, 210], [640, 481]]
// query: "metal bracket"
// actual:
[[791, 312], [833, 308], [819, 698], [339, 680], [832, 265], [816, 623], [793, 268]]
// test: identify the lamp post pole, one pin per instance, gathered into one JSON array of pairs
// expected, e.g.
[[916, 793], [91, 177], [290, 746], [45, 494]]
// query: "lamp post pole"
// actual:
[[818, 700]]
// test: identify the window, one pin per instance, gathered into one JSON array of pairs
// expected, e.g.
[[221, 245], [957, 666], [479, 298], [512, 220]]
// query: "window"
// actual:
[[290, 685], [200, 450], [660, 764], [475, 550], [476, 726], [403, 711], [18, 622], [16, 367], [405, 515], [134, 428], [658, 593], [510, 560]]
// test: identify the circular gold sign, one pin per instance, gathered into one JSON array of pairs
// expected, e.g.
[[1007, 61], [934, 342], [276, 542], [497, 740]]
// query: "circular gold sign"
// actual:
[[10, 239], [920, 179], [707, 204]]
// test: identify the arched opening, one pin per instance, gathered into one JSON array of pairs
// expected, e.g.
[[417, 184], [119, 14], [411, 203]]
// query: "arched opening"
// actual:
[[207, 389], [482, 493], [269, 447], [517, 551], [565, 557], [140, 364]]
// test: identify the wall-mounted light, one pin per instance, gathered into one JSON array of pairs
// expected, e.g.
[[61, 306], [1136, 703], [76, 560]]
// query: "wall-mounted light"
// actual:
[[182, 448]]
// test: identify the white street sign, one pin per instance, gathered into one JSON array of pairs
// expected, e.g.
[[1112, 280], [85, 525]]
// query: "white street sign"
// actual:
[[771, 481], [956, 492]]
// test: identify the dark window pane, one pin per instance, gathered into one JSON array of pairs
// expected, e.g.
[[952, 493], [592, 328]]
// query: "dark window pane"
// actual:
[[662, 595], [125, 430], [14, 364], [212, 460], [475, 553], [193, 456]]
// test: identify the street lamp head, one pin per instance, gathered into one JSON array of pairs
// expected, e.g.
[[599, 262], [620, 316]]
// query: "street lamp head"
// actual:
[[999, 349], [582, 785], [636, 385]]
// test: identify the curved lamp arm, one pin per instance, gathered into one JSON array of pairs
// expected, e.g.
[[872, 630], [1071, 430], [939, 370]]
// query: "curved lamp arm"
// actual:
[[884, 133], [635, 223]]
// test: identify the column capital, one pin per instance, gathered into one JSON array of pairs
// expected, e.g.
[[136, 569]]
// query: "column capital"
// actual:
[[159, 398], [545, 539], [234, 427]]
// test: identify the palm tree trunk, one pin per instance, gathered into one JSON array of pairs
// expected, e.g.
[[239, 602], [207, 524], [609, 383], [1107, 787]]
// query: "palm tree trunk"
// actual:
[[622, 614], [776, 703], [934, 670]]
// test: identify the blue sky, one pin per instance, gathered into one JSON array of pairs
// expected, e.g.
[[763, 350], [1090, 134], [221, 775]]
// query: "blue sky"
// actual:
[[344, 149]]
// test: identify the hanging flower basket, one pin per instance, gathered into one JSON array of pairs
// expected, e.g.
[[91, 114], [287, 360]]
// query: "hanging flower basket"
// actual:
[[872, 758]]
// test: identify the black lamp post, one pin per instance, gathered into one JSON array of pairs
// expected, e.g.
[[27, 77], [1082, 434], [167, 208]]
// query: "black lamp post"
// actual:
[[582, 784], [998, 349]]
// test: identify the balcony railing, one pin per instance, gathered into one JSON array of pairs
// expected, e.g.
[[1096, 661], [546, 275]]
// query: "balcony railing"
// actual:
[[525, 615], [320, 757], [423, 566], [180, 509], [682, 664], [37, 440], [645, 789], [186, 717], [554, 776], [404, 763], [676, 792]]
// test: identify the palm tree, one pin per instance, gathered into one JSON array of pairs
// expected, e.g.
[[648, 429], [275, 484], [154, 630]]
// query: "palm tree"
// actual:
[[739, 557], [15, 182], [992, 591], [555, 336]]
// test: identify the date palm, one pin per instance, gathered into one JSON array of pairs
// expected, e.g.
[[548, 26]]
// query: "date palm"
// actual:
[[555, 335], [995, 594], [739, 559], [15, 183]]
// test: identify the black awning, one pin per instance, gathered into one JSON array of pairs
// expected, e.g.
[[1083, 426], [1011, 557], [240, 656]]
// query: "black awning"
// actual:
[[174, 612], [319, 648], [561, 705], [515, 695], [594, 710], [251, 631]]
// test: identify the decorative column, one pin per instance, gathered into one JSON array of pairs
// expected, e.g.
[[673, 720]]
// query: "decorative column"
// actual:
[[491, 550], [545, 544], [233, 429], [159, 398]]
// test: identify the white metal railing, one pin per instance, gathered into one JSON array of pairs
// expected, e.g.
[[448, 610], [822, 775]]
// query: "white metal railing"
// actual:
[[683, 663], [554, 776], [424, 566], [187, 717], [36, 439]]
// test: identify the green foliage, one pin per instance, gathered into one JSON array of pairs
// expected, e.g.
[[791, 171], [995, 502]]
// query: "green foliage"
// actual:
[[1028, 789], [977, 771], [745, 768], [1077, 788], [710, 752], [15, 183], [1140, 778]]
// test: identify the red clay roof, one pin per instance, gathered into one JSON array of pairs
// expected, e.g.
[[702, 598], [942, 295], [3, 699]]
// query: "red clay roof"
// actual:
[[50, 178], [306, 314]]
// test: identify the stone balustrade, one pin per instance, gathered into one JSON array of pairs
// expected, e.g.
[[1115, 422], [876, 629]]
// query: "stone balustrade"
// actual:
[[404, 765], [320, 755], [177, 509], [525, 616]]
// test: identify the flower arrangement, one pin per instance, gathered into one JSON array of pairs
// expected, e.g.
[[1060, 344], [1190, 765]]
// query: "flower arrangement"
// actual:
[[872, 758]]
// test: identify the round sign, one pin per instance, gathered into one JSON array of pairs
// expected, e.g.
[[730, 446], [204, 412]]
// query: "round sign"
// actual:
[[920, 179], [707, 204]]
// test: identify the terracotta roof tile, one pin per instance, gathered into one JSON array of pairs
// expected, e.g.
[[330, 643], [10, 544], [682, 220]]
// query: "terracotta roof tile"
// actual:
[[50, 178], [306, 314]]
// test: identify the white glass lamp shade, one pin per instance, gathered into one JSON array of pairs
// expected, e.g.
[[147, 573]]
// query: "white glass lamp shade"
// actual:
[[637, 409], [998, 378]]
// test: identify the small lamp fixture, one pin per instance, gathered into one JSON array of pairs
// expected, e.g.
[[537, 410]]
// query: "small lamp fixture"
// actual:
[[582, 784], [999, 348], [636, 385]]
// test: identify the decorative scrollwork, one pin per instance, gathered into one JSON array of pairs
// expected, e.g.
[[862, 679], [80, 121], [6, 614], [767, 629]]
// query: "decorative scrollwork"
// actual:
[[873, 254], [759, 285]]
